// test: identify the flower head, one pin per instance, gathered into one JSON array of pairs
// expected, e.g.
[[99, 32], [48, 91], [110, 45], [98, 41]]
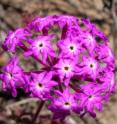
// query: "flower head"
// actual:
[[77, 72]]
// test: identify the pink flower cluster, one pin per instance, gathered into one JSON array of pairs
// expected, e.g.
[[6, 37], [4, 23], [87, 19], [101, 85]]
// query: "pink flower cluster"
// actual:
[[76, 72]]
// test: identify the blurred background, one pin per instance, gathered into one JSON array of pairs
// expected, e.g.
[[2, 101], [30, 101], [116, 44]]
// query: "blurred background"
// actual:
[[15, 13]]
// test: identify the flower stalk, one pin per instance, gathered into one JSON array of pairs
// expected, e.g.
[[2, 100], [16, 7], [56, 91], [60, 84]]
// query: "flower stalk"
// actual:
[[37, 112]]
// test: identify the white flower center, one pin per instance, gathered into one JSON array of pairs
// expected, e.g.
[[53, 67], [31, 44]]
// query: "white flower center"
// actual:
[[72, 48], [91, 97], [40, 86], [40, 45], [66, 68], [92, 65], [67, 105]]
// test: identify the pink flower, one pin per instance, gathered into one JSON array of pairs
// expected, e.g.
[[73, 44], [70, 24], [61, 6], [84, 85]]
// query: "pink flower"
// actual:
[[87, 40], [91, 98], [15, 38], [66, 68], [12, 76], [41, 23], [105, 55], [67, 20], [89, 67], [107, 79], [69, 48], [41, 85], [41, 47], [65, 102]]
